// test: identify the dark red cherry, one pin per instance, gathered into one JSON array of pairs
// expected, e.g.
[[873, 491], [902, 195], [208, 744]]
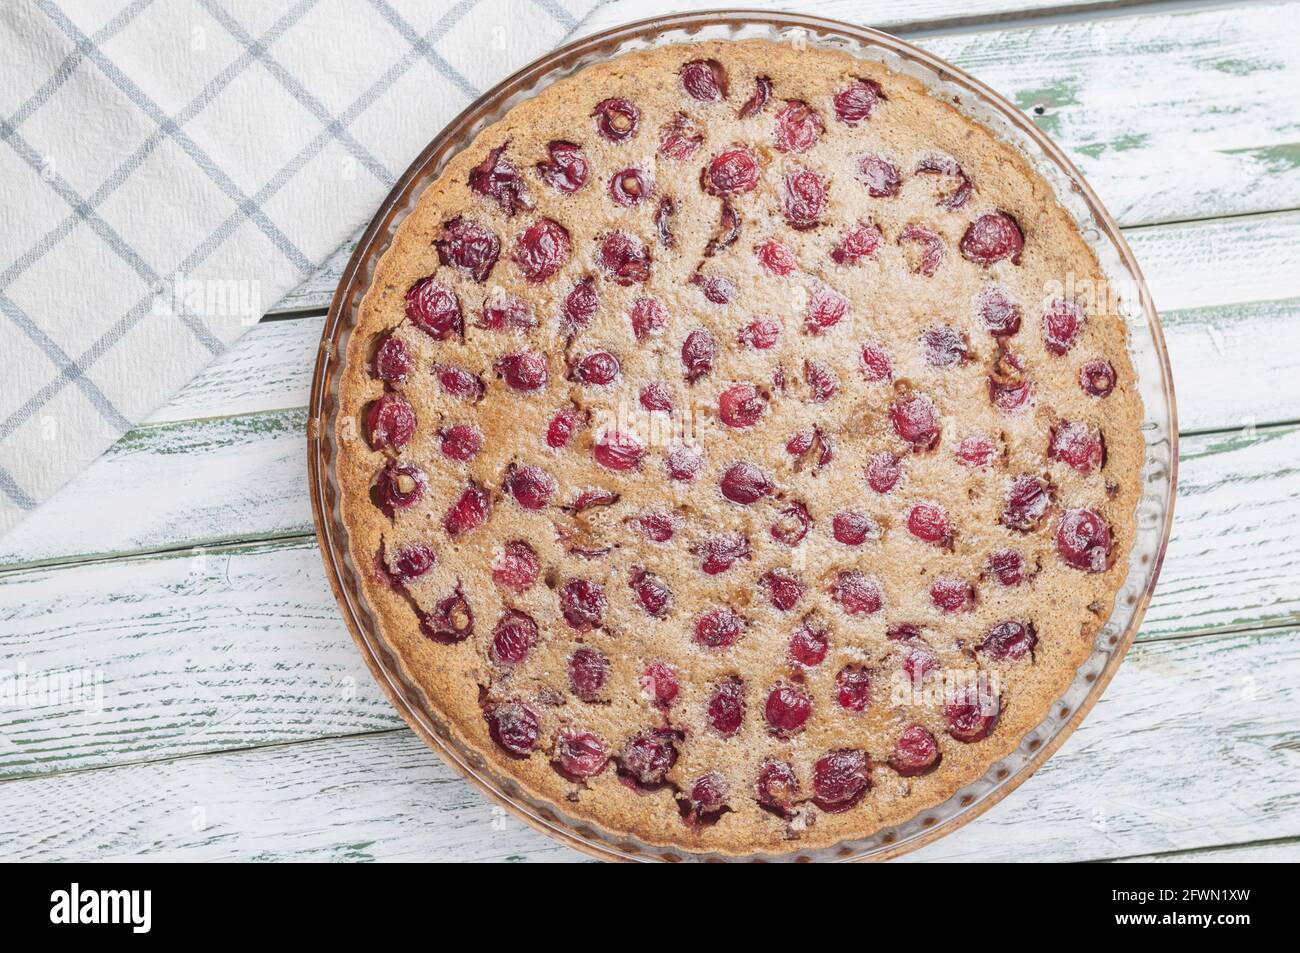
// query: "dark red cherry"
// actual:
[[646, 759], [761, 333], [745, 483], [856, 593], [853, 688], [504, 312], [664, 212], [616, 119], [470, 510], [758, 98], [783, 588], [532, 487], [398, 486], [809, 644], [579, 754], [1062, 322], [562, 428], [1010, 640], [840, 779], [915, 420], [515, 727], [825, 309], [497, 178], [392, 361], [851, 528], [857, 243], [524, 371], [740, 406], [803, 199], [651, 591], [718, 553], [823, 383], [797, 127], [776, 258], [707, 798], [1027, 501], [516, 566], [792, 524], [715, 288], [993, 237], [596, 369], [629, 187], [949, 168], [802, 444], [648, 317], [973, 716], [975, 451], [625, 258], [1007, 566], [658, 684], [458, 382], [726, 708], [451, 620], [1097, 378], [542, 250], [684, 463], [390, 423], [469, 247], [880, 176], [657, 525], [412, 562], [777, 788], [929, 523], [918, 663], [883, 471], [786, 710], [945, 346], [903, 632], [698, 352], [566, 168], [951, 594], [876, 365], [924, 248], [1000, 314], [582, 603], [854, 103], [1084, 541], [916, 752], [718, 629], [588, 670], [680, 137], [734, 171], [704, 80], [656, 396], [434, 309], [580, 305], [1008, 386], [1078, 446], [513, 637], [460, 442]]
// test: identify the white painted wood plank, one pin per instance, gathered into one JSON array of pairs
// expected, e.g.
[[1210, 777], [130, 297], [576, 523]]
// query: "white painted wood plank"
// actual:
[[1269, 852], [1193, 745]]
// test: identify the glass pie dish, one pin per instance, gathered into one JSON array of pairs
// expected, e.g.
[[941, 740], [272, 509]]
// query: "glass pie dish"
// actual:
[[977, 103]]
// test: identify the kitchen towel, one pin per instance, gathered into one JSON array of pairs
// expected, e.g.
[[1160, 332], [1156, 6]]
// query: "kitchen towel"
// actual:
[[171, 168]]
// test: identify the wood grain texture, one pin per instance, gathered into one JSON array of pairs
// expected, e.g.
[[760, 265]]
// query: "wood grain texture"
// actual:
[[1156, 768]]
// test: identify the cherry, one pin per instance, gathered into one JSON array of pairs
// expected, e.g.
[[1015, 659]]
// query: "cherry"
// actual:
[[809, 644], [777, 788], [803, 199], [680, 137], [758, 99], [949, 167], [952, 594], [513, 636], [1007, 566], [625, 258], [876, 365], [992, 237], [1009, 640], [460, 383], [656, 396], [786, 710], [852, 529], [651, 591], [761, 333], [648, 316], [918, 663], [1062, 322], [1097, 378], [915, 420], [524, 371], [590, 498], [470, 510], [588, 670], [698, 351], [497, 178], [854, 103], [745, 483], [704, 80], [658, 684], [718, 629], [826, 307], [802, 443], [792, 524], [656, 525], [451, 620], [1008, 386], [629, 187], [597, 369], [647, 757], [776, 258], [1027, 501], [515, 727], [859, 242], [392, 361], [390, 423], [903, 632], [740, 406], [542, 249], [783, 588], [972, 716], [708, 798], [734, 171], [823, 383], [532, 487], [469, 247], [717, 553], [1078, 446], [726, 708], [1000, 314], [1084, 541], [856, 593], [853, 688], [434, 309], [566, 168], [664, 212], [840, 778], [504, 312], [579, 754], [945, 346], [580, 304], [516, 566], [883, 471], [582, 603], [880, 176], [975, 451], [916, 752], [412, 562], [684, 463], [797, 127], [398, 486], [929, 252], [562, 428], [460, 442], [929, 523], [616, 119]]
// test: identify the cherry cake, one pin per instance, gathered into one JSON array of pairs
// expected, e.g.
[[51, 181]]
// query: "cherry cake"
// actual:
[[725, 463]]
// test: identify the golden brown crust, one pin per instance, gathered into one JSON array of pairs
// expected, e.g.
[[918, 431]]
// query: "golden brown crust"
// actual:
[[888, 305]]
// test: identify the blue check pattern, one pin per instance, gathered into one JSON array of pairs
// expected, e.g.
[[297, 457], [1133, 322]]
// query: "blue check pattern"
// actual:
[[163, 155]]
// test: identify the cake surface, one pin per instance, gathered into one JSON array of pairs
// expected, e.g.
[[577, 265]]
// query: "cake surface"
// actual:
[[731, 454]]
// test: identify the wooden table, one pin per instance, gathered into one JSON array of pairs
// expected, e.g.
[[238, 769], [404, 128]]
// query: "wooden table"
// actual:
[[212, 704]]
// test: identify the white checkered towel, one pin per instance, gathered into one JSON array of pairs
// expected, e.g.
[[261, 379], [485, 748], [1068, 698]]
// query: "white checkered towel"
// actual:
[[171, 168]]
